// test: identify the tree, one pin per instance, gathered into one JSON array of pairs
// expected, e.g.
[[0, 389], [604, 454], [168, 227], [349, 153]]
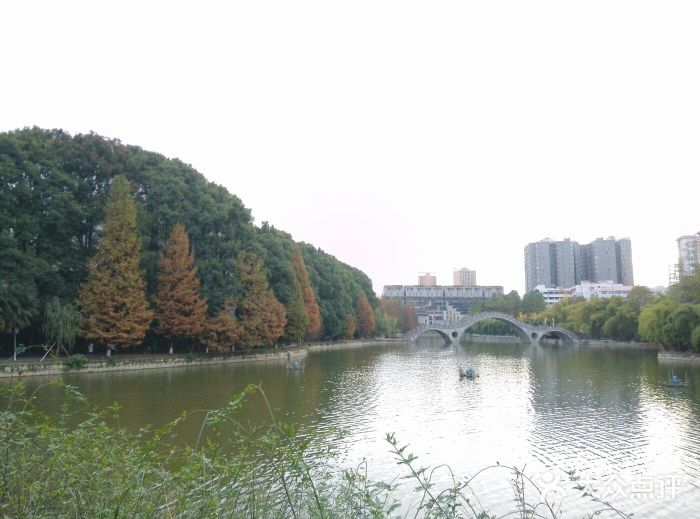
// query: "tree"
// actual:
[[297, 318], [61, 322], [112, 301], [653, 318], [18, 305], [261, 316], [312, 310], [639, 297], [222, 332], [180, 311], [364, 316], [350, 326], [533, 303]]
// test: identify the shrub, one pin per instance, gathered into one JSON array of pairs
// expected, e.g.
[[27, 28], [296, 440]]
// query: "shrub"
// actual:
[[76, 361]]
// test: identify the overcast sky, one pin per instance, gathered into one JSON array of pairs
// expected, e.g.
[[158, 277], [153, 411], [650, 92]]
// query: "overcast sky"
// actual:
[[398, 136]]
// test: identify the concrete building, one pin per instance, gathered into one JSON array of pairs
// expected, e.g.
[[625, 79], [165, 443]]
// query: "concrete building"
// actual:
[[567, 263], [603, 289], [434, 302], [539, 265], [688, 253], [464, 277], [553, 295], [427, 280]]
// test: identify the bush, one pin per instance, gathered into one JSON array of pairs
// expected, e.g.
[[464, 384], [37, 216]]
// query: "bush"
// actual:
[[76, 361]]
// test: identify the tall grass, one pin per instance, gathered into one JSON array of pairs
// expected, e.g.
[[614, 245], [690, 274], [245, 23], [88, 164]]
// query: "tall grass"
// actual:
[[84, 464]]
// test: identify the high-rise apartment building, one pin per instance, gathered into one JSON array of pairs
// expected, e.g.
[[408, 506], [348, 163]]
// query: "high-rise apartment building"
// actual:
[[688, 253], [567, 263], [539, 265], [427, 280], [464, 277]]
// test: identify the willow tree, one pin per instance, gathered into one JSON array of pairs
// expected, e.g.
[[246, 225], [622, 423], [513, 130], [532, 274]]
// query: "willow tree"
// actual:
[[313, 312], [180, 311], [112, 300], [260, 315]]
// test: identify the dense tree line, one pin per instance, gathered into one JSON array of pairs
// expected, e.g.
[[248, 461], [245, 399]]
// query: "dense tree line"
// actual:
[[672, 321], [53, 194]]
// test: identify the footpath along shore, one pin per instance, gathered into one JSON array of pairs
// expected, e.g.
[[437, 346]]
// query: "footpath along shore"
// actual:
[[139, 361]]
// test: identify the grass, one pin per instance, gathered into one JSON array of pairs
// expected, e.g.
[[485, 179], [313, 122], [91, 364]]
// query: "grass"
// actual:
[[84, 464]]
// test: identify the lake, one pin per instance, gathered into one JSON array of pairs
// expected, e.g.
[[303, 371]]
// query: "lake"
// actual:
[[601, 411]]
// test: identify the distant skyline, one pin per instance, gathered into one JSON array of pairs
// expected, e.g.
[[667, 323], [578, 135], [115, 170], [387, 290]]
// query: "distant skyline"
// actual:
[[401, 137]]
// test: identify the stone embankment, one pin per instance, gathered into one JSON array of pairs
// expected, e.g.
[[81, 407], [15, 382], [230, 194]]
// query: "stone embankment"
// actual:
[[133, 362], [678, 356]]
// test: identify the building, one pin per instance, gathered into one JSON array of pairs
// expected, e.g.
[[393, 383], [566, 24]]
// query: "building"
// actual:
[[585, 289], [602, 289], [464, 277], [688, 253], [427, 280], [539, 265], [567, 263], [434, 302], [553, 295]]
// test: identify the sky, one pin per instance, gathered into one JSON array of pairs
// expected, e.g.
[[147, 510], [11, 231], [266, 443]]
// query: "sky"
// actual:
[[399, 136]]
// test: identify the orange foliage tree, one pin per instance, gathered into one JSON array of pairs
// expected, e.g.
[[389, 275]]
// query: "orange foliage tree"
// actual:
[[364, 315], [222, 332], [112, 300], [312, 309], [181, 312], [261, 316]]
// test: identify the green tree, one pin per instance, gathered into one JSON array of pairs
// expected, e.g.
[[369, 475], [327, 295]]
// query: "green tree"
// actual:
[[533, 303], [639, 297], [687, 290], [112, 300], [679, 326], [18, 305], [653, 318], [61, 323]]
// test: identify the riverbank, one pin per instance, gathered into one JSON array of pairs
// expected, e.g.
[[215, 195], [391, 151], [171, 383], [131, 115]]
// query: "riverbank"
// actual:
[[678, 356], [134, 362]]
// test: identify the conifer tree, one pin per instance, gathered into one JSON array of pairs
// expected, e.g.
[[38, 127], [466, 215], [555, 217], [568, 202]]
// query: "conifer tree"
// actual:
[[314, 326], [180, 311], [260, 315], [223, 332], [364, 315], [297, 316], [112, 300], [349, 327]]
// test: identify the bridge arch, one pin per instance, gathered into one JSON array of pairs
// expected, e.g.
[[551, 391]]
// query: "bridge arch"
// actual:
[[512, 323], [529, 334]]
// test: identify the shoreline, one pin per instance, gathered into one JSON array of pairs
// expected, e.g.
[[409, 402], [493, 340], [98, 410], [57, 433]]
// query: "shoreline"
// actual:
[[678, 356], [137, 362]]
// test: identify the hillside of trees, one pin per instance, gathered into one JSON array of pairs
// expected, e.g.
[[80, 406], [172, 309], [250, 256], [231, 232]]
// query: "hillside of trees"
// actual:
[[54, 190]]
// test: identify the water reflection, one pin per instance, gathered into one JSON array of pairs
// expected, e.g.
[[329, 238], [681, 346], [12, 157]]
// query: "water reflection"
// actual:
[[600, 411]]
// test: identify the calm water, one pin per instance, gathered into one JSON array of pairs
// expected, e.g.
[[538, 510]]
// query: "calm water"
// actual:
[[602, 412]]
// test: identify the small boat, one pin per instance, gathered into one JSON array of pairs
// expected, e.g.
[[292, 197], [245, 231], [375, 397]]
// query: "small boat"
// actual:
[[295, 365], [468, 373], [675, 381]]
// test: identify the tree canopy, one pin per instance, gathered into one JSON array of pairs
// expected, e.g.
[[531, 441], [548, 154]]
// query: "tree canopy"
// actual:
[[53, 196]]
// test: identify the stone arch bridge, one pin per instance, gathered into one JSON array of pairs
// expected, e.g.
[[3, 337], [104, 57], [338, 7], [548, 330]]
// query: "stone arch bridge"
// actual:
[[529, 334]]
